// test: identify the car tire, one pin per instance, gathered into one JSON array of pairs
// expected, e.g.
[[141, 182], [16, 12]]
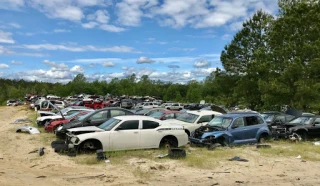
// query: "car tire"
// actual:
[[303, 135], [89, 146], [263, 138], [169, 142]]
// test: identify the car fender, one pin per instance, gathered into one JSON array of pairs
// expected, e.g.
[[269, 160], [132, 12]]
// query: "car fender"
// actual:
[[218, 134], [262, 130]]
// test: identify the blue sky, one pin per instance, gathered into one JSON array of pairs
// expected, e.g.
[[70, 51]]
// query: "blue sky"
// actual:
[[170, 40]]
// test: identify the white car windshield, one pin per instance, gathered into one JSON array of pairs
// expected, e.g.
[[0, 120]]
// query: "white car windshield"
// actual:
[[302, 120], [219, 121], [187, 117], [108, 125]]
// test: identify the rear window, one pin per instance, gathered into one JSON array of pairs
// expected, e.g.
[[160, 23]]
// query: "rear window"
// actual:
[[146, 124]]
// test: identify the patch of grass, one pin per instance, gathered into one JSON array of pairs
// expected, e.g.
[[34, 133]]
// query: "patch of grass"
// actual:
[[287, 149], [201, 157], [87, 159]]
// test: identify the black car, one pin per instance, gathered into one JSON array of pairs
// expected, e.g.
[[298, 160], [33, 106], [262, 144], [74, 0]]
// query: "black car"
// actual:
[[307, 131], [282, 130], [274, 118], [95, 118]]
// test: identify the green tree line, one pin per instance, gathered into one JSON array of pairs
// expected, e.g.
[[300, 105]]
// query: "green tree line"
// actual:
[[271, 61]]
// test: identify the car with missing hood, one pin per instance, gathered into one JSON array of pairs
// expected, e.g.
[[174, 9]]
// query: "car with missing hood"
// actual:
[[95, 118], [235, 128], [125, 133]]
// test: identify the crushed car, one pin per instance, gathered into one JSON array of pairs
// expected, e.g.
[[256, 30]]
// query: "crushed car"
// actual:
[[229, 129], [126, 133]]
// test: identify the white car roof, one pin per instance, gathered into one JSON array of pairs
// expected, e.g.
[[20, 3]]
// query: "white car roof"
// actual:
[[137, 117], [203, 112]]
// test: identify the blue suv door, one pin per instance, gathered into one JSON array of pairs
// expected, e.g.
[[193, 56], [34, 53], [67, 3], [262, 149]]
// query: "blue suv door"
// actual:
[[253, 124], [237, 130]]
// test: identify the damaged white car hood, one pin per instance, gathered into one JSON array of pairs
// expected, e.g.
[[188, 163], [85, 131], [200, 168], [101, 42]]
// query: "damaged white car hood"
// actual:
[[84, 129]]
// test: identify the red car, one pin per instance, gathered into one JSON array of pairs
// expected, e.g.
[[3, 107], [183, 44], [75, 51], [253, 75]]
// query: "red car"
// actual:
[[54, 124], [94, 104], [165, 114]]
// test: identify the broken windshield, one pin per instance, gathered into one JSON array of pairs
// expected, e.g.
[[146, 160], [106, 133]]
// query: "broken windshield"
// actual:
[[219, 121]]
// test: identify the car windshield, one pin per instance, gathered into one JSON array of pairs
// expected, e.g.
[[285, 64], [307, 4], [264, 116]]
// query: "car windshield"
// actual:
[[219, 121], [187, 117], [108, 125], [268, 117], [84, 116], [71, 116], [143, 111], [64, 110], [156, 115], [302, 120]]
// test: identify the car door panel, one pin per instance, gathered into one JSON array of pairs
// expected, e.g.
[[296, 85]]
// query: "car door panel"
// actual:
[[126, 138]]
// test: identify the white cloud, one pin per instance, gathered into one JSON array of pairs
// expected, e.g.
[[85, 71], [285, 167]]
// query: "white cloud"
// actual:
[[11, 4], [89, 24], [2, 65], [111, 28], [236, 26], [101, 16], [60, 30], [202, 64], [15, 25], [182, 49], [16, 62], [144, 59], [86, 3], [77, 48], [5, 37], [226, 36], [77, 69], [55, 66], [100, 19], [108, 64], [129, 12]]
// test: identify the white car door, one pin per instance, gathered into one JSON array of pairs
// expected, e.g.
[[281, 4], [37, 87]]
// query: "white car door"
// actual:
[[125, 136], [149, 137]]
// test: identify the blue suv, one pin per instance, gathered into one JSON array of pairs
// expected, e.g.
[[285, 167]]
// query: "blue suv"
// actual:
[[232, 128]]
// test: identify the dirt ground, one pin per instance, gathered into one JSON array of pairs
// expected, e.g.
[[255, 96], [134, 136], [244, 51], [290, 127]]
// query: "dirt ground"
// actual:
[[18, 167]]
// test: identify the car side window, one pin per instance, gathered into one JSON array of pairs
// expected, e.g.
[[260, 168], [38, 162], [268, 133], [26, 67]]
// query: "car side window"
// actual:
[[206, 118], [100, 115], [251, 120], [114, 113], [238, 122], [146, 124], [130, 125]]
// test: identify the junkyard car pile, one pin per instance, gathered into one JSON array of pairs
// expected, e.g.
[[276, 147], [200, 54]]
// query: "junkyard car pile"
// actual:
[[109, 128]]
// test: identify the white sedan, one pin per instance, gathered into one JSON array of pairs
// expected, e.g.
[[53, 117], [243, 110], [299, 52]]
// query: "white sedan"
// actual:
[[127, 132]]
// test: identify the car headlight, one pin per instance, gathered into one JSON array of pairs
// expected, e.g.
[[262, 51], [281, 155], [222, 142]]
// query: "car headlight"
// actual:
[[75, 140]]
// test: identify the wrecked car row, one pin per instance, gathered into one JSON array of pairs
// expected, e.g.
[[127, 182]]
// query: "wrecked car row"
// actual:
[[110, 129]]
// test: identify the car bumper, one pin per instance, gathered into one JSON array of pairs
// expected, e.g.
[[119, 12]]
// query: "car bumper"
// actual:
[[198, 141]]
